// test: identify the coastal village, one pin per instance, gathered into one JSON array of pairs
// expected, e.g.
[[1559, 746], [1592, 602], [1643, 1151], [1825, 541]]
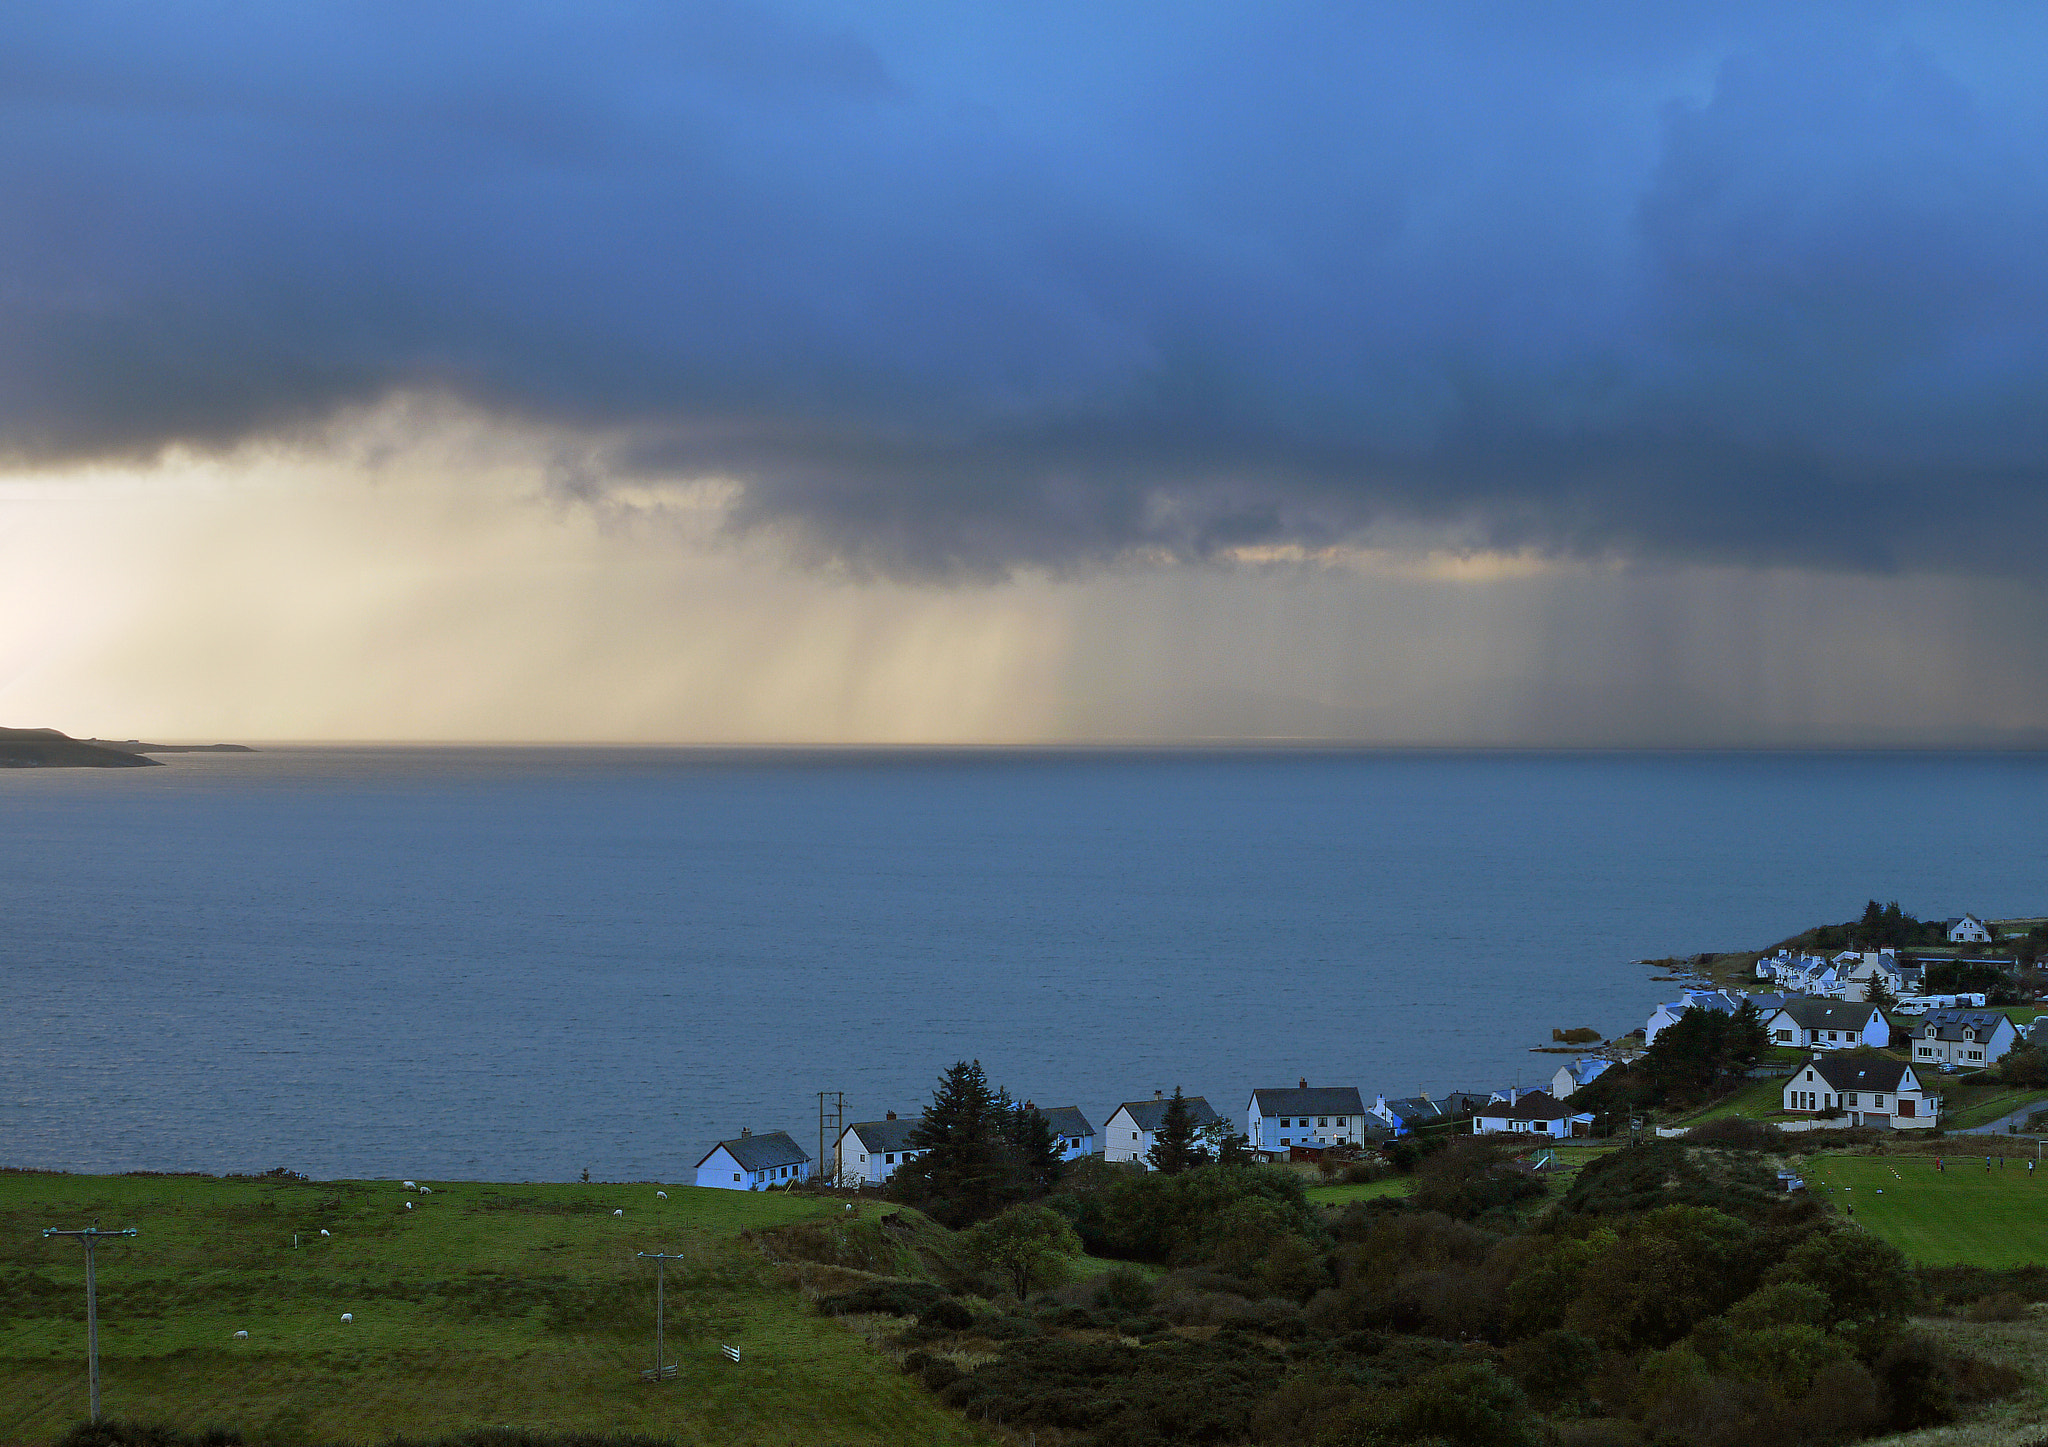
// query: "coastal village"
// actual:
[[1859, 1037]]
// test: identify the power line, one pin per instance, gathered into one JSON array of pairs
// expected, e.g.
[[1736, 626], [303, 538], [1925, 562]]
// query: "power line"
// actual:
[[91, 1236]]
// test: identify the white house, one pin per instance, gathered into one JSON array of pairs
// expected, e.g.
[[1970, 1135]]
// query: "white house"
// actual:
[[1323, 1115], [1580, 1072], [1665, 1016], [1072, 1135], [1968, 1038], [1829, 1025], [1523, 1112], [754, 1162], [1969, 930], [1407, 1112], [1133, 1128], [1867, 1089], [868, 1152], [1869, 968]]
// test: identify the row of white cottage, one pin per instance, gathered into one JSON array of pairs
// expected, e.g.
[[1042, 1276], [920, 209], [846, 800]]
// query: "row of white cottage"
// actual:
[[1961, 1037], [1277, 1122]]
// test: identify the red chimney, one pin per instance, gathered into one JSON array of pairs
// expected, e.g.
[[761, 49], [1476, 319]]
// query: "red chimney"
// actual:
[[892, 1115], [1304, 1082]]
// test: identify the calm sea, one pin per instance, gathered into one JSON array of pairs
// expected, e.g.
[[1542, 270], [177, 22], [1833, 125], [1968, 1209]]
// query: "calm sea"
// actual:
[[521, 963]]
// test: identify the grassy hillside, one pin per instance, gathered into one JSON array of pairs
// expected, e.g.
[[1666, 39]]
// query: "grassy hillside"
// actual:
[[483, 1305], [1962, 1214]]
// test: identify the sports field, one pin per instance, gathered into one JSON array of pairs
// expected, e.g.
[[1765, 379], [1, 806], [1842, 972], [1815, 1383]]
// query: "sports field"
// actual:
[[1962, 1214], [483, 1305]]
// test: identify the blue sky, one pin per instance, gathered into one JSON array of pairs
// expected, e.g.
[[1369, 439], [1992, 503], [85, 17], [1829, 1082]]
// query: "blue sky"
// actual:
[[946, 296]]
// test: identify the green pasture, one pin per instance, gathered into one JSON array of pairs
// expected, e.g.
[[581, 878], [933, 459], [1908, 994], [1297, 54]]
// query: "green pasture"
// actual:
[[1960, 1215], [484, 1305], [1339, 1195], [1966, 1106]]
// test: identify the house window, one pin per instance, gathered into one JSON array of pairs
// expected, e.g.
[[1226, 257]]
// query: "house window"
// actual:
[[889, 1159], [863, 1160], [1322, 1120], [1976, 1055], [1878, 1100], [1344, 1120], [1831, 1035], [735, 1175], [1134, 1135], [1784, 1035], [1852, 1097]]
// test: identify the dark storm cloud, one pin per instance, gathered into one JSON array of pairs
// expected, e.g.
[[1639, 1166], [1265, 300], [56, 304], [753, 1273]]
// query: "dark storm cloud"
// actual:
[[954, 292]]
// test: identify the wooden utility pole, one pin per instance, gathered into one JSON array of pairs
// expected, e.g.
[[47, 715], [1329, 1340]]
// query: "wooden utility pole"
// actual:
[[91, 1237]]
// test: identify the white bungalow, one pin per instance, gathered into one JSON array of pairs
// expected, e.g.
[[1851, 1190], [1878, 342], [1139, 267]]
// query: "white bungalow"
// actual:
[[1322, 1115], [868, 1152], [1866, 1089], [1969, 930], [754, 1163], [1523, 1112], [1072, 1136], [1829, 1025], [1133, 1127], [1970, 1039]]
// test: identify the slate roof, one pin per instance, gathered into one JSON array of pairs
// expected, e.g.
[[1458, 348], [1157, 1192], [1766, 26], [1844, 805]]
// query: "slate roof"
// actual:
[[1948, 1024], [1150, 1114], [1812, 1014], [762, 1152], [1067, 1121], [1315, 1100], [883, 1135], [1857, 1072], [1416, 1107], [1530, 1105]]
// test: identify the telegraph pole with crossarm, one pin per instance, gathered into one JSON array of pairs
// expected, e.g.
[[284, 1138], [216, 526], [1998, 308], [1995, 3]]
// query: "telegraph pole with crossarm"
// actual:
[[91, 1236]]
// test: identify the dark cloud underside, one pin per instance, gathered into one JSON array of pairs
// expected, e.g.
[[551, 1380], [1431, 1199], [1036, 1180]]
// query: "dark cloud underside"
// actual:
[[953, 292]]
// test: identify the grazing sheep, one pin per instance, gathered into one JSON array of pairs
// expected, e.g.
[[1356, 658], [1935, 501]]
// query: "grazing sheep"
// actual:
[[408, 1205], [618, 1213], [426, 1191], [323, 1230], [661, 1195], [241, 1336], [348, 1316], [410, 1186]]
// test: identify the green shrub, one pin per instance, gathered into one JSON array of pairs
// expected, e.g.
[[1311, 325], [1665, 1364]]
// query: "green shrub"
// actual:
[[888, 1298]]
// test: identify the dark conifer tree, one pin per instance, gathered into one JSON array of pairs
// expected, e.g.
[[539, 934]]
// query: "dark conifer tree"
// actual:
[[1034, 1151], [959, 1174], [1176, 1149]]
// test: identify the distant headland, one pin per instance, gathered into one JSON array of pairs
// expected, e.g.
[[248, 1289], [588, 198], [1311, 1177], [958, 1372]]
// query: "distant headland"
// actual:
[[49, 749]]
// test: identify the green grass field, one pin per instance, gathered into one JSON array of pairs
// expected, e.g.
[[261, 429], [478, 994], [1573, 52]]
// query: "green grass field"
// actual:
[[483, 1305], [1960, 1215], [1369, 1190]]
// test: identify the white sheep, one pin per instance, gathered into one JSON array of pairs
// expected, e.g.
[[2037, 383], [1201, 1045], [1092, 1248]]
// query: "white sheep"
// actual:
[[408, 1205], [323, 1230], [618, 1213], [426, 1190], [241, 1336], [410, 1186], [348, 1316], [661, 1195]]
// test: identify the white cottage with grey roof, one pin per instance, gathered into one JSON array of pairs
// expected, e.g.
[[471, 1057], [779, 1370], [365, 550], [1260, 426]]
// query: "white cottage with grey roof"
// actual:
[[1970, 1039], [754, 1163], [1072, 1136], [1868, 1090], [1133, 1128], [1829, 1025], [868, 1152], [1318, 1115]]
